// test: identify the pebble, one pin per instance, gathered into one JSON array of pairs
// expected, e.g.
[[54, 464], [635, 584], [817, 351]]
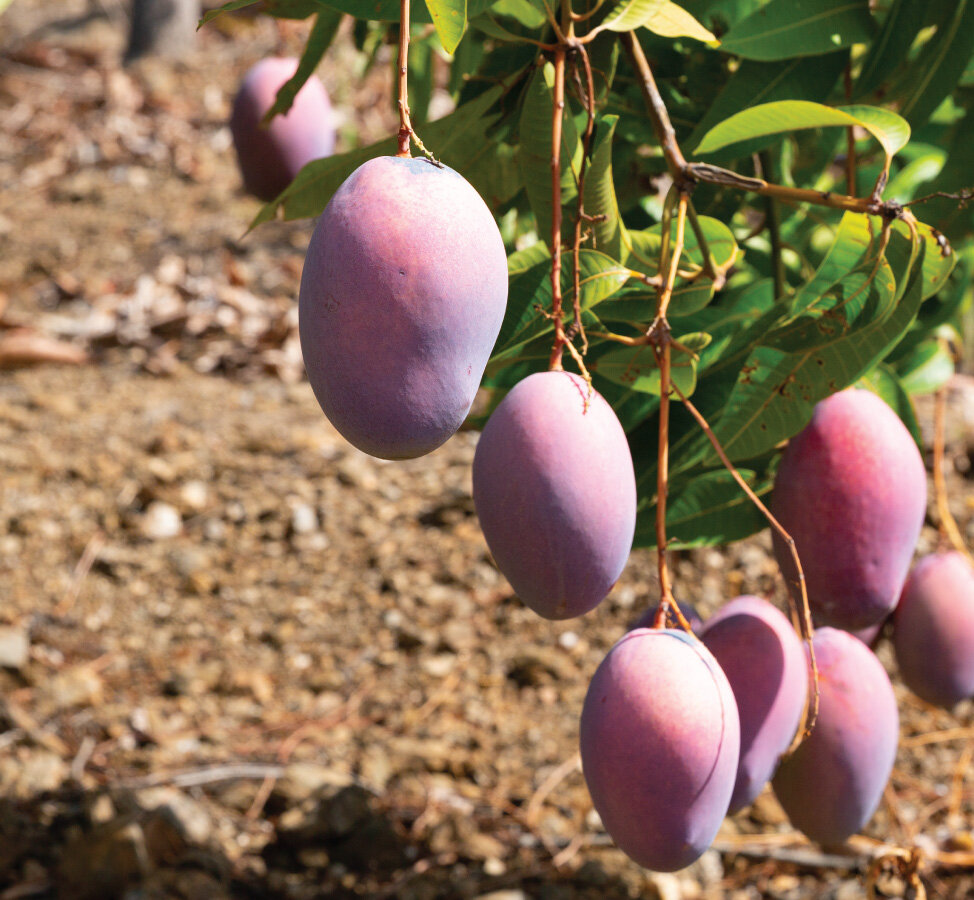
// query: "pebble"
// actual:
[[161, 521], [304, 520], [14, 647]]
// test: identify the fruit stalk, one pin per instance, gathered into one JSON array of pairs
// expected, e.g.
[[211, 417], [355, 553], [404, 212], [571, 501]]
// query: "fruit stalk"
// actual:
[[804, 613], [557, 111], [405, 126]]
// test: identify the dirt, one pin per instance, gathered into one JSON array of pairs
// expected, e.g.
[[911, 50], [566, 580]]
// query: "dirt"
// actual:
[[242, 659]]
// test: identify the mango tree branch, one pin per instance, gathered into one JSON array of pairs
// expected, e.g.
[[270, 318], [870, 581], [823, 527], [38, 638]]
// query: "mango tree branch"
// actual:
[[659, 336], [804, 614], [687, 173], [654, 104]]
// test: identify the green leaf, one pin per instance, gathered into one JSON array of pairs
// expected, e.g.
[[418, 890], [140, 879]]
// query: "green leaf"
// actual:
[[778, 388], [787, 28], [627, 15], [636, 367], [450, 19], [522, 260], [888, 51], [885, 383], [803, 78], [781, 116], [600, 195], [211, 14], [524, 11], [319, 40], [457, 139], [672, 21], [529, 297], [928, 367], [940, 64], [380, 10], [645, 245], [535, 155], [938, 261], [662, 17], [705, 510]]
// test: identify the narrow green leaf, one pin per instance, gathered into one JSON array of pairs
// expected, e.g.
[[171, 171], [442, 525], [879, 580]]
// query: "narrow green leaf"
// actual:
[[940, 64], [802, 78], [450, 19], [600, 195], [457, 138], [522, 260], [777, 389], [782, 116], [928, 367], [319, 40], [706, 510], [211, 14], [627, 15], [636, 368], [885, 383], [888, 51], [787, 28], [529, 14], [529, 297], [673, 21], [535, 151]]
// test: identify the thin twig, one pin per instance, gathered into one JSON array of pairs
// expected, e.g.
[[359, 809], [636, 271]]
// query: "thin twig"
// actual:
[[206, 775], [658, 115], [589, 97], [710, 268], [81, 570], [773, 224], [810, 714], [555, 777]]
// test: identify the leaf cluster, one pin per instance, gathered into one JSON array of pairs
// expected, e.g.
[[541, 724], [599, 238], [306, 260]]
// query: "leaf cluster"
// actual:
[[815, 299]]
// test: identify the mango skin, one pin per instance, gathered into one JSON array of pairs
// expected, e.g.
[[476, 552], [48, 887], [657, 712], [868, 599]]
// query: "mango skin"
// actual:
[[763, 659], [933, 629], [269, 158], [659, 742], [831, 785], [402, 297], [852, 492], [555, 491]]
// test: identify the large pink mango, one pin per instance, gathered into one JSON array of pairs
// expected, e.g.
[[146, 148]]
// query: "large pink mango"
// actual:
[[270, 157], [659, 741], [933, 629], [852, 491], [402, 297], [831, 785], [763, 659], [554, 488]]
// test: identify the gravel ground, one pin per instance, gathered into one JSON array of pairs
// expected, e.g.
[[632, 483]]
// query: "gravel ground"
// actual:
[[242, 659]]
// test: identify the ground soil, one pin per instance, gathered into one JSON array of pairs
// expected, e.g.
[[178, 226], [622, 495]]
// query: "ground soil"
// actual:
[[242, 659]]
